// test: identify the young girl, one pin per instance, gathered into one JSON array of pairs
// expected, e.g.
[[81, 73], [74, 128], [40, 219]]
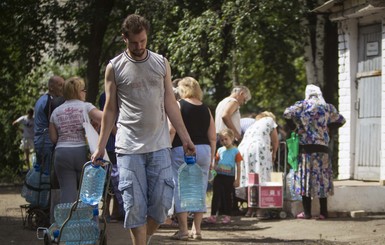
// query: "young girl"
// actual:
[[226, 159]]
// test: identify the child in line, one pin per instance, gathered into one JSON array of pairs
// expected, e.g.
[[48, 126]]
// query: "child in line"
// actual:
[[227, 163]]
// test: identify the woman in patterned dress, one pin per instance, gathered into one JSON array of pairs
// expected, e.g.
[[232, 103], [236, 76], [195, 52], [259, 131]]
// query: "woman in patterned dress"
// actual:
[[258, 149], [314, 118]]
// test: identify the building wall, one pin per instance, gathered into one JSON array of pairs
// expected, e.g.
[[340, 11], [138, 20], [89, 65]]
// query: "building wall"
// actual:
[[347, 50], [348, 56], [382, 169]]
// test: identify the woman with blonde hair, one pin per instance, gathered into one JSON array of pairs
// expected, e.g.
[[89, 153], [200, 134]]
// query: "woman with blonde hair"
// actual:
[[201, 128], [67, 132], [259, 148]]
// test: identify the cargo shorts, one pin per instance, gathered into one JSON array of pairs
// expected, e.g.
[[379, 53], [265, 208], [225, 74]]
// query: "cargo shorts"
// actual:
[[147, 186]]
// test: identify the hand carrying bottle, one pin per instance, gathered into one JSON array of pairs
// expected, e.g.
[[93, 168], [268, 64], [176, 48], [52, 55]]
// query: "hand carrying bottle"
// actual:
[[191, 190]]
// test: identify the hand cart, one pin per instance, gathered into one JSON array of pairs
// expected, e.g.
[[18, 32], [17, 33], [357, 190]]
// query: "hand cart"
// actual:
[[44, 233], [270, 195]]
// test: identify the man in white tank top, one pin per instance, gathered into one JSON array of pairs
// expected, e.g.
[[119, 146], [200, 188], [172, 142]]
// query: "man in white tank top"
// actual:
[[227, 113], [138, 88]]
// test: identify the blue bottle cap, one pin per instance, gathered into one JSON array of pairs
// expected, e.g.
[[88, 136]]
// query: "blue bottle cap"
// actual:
[[190, 159], [56, 233]]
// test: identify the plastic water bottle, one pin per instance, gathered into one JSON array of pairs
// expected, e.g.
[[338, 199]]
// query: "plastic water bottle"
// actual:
[[34, 159], [36, 187], [82, 212], [80, 232], [212, 175], [290, 191], [191, 191], [26, 191], [92, 187], [53, 231]]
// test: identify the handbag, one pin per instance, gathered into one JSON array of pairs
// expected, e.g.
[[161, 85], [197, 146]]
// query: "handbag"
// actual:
[[92, 135], [293, 150]]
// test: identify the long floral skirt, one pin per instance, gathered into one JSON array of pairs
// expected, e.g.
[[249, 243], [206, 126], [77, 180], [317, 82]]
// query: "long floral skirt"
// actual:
[[314, 177]]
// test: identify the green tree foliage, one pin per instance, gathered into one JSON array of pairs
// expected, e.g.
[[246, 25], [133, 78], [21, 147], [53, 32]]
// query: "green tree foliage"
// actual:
[[25, 35], [253, 43], [221, 43]]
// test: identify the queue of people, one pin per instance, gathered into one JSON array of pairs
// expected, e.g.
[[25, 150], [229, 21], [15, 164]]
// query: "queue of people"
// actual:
[[140, 111]]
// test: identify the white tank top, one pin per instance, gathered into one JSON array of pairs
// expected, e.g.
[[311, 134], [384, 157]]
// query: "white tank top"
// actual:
[[142, 122], [235, 118]]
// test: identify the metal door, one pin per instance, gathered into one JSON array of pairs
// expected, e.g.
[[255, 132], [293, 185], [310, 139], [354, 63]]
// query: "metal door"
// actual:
[[368, 105]]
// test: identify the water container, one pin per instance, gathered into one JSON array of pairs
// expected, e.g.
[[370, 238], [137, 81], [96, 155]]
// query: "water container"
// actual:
[[53, 231], [290, 187], [36, 187], [191, 191], [26, 191], [34, 159], [80, 232], [212, 175], [62, 210], [92, 187]]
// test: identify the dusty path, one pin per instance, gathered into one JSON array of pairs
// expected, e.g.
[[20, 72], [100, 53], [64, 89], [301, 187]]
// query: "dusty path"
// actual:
[[242, 230]]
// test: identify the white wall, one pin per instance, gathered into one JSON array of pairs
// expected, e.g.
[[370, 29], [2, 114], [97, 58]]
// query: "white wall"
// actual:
[[347, 51], [382, 168]]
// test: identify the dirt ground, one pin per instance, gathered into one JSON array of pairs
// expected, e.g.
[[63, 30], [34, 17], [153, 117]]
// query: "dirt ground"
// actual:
[[242, 230]]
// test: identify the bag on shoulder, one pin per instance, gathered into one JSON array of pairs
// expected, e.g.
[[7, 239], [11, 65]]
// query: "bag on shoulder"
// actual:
[[92, 135]]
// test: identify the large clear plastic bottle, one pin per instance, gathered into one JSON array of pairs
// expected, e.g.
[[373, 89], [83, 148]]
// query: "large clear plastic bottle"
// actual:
[[36, 187], [25, 191], [32, 183], [62, 210], [290, 187], [92, 187], [191, 191], [80, 232]]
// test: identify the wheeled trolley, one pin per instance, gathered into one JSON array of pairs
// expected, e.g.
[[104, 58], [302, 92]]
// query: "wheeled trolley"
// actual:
[[269, 195], [36, 191], [55, 236]]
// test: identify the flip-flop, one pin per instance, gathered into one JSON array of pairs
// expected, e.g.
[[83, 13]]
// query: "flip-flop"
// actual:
[[302, 215], [179, 236], [321, 217], [173, 224], [195, 236]]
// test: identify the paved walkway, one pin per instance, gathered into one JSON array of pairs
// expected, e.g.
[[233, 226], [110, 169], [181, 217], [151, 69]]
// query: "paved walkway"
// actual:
[[242, 230]]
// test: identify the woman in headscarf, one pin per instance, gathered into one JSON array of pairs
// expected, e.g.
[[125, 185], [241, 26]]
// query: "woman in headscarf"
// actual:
[[313, 118]]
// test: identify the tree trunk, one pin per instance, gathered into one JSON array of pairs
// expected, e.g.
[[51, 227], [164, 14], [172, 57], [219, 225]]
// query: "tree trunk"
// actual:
[[99, 25]]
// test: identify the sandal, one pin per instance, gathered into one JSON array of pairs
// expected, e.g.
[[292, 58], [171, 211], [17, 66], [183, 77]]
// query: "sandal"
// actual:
[[321, 217], [211, 220], [302, 215], [179, 236], [173, 224], [195, 236], [226, 220]]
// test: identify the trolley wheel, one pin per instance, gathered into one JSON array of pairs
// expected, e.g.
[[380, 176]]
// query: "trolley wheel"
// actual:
[[47, 239], [273, 214], [37, 218], [282, 215]]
